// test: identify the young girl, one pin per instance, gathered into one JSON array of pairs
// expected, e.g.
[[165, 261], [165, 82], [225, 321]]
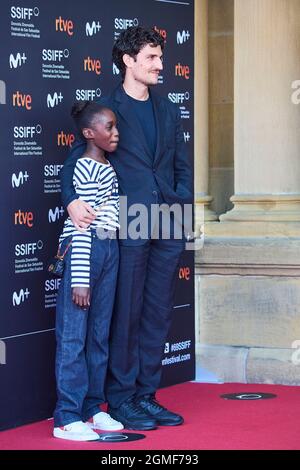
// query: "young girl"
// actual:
[[86, 294]]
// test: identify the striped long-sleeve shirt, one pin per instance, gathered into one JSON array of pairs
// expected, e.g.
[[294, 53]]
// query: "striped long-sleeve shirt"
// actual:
[[95, 183]]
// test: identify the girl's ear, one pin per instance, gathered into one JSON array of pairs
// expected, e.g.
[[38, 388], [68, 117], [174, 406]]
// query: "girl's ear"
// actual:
[[88, 133]]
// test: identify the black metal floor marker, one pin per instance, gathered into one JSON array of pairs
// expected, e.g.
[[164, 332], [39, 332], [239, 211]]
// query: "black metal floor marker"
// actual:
[[248, 396], [120, 437]]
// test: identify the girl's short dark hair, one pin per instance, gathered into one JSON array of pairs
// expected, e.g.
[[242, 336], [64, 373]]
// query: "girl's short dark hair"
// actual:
[[131, 41], [83, 113]]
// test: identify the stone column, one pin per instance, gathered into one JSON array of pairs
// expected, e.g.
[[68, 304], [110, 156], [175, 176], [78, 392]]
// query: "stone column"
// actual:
[[266, 120], [202, 199]]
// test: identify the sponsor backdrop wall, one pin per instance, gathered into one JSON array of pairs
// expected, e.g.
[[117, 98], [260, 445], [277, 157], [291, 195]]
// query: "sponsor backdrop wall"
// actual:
[[53, 53]]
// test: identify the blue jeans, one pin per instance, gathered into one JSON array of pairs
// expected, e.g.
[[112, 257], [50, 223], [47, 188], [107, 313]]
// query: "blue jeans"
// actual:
[[82, 336]]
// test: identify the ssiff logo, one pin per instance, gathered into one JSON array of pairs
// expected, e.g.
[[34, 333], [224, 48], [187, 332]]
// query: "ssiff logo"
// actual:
[[55, 55], [55, 215], [18, 60], [88, 95], [92, 28], [183, 36], [92, 65], [52, 284], [21, 132], [20, 297], [182, 71], [22, 249], [24, 218], [54, 100], [52, 170], [22, 100], [179, 98], [64, 26], [124, 23], [17, 181], [23, 13]]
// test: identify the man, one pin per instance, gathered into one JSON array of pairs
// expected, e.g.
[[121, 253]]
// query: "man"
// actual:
[[152, 168]]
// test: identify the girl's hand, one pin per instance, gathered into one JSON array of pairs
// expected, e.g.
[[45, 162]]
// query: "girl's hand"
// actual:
[[81, 297]]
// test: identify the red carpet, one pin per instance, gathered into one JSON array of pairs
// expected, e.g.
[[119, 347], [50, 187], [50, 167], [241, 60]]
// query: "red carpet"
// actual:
[[210, 422]]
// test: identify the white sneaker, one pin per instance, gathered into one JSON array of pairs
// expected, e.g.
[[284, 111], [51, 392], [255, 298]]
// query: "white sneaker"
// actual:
[[77, 431], [105, 422]]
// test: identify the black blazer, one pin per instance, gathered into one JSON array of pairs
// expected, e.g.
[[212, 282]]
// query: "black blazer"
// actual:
[[139, 175]]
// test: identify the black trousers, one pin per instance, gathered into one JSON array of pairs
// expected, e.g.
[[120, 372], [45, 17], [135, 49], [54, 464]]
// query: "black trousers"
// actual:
[[142, 317]]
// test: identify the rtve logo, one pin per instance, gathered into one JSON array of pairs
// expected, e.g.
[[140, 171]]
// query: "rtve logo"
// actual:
[[185, 273], [23, 13], [24, 218], [21, 100], [91, 29], [92, 65], [65, 140], [88, 95], [64, 26], [20, 297], [21, 132], [182, 71], [124, 23], [183, 36], [55, 215], [18, 60], [116, 71], [28, 248], [179, 98], [162, 32], [54, 100], [55, 55], [52, 170], [17, 181]]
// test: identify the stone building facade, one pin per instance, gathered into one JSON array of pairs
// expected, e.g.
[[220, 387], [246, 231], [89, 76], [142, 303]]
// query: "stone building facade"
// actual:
[[247, 177]]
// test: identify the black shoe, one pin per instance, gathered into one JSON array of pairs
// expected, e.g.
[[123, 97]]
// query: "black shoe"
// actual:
[[162, 416], [132, 416]]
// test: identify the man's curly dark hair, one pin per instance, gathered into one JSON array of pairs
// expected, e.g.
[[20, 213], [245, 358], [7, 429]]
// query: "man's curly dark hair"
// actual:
[[131, 41]]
